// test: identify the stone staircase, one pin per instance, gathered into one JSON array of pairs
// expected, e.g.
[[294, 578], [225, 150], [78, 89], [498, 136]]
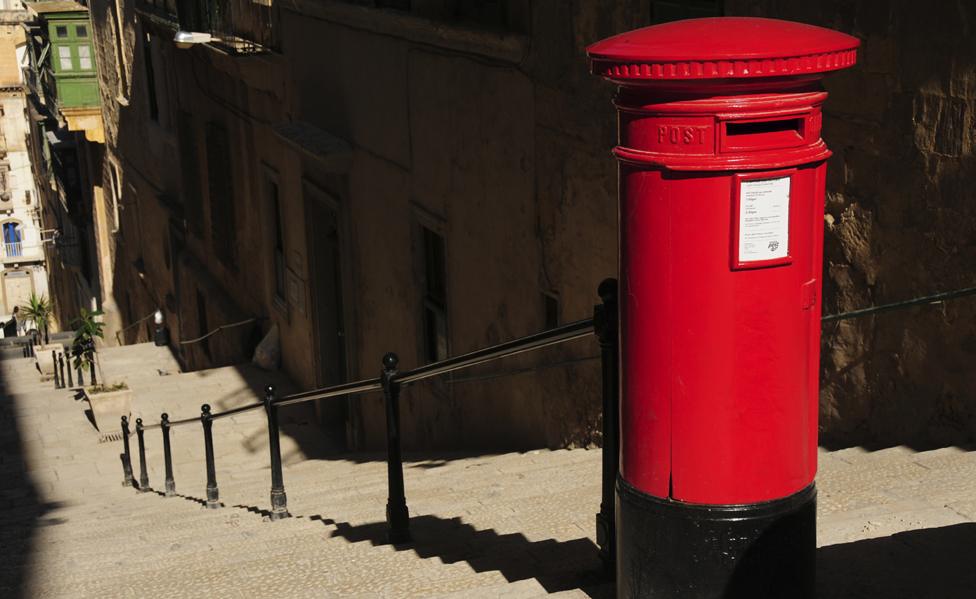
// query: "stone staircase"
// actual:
[[511, 525]]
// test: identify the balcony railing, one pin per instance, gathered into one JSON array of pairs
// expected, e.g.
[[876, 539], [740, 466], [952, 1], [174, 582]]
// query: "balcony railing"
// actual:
[[13, 249], [239, 26]]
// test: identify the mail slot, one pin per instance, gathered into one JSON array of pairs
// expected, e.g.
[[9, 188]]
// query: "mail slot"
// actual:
[[762, 134], [721, 203]]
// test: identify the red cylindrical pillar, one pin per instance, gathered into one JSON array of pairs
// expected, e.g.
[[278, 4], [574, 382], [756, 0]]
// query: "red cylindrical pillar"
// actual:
[[721, 240]]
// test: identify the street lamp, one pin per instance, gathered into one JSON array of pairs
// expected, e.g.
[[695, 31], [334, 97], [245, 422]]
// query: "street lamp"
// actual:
[[188, 39], [161, 337]]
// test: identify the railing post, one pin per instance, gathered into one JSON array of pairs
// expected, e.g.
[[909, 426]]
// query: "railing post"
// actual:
[[605, 326], [213, 494], [279, 501], [397, 515], [60, 366], [67, 357], [81, 371], [54, 365], [167, 456], [91, 362], [143, 471], [127, 481]]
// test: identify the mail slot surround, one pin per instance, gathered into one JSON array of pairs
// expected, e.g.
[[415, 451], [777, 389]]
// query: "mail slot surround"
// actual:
[[762, 134]]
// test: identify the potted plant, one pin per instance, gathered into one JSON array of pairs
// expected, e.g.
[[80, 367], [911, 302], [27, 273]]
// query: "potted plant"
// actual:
[[40, 310], [109, 403], [87, 329]]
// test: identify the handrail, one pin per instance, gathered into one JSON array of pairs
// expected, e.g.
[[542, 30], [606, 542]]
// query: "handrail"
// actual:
[[333, 391], [390, 382], [566, 332], [918, 301]]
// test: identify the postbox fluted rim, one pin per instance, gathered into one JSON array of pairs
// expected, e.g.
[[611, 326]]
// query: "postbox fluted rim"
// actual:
[[722, 48]]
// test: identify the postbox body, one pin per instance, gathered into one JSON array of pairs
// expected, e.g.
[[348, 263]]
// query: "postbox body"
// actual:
[[721, 222], [721, 204]]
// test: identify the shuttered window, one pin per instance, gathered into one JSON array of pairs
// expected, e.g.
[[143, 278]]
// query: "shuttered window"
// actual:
[[190, 173], [223, 228]]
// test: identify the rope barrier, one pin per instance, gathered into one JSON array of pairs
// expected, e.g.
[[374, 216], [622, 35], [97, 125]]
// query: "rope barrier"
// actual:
[[127, 327], [217, 330]]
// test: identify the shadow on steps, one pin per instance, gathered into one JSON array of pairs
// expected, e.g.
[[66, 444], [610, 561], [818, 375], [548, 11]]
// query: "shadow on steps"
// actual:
[[932, 562], [556, 565]]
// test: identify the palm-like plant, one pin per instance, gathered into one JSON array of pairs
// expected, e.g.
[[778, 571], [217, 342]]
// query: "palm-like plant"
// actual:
[[39, 309], [87, 328]]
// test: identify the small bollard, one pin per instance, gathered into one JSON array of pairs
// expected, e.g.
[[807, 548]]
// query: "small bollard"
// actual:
[[127, 481], [279, 501], [213, 494], [167, 455], [397, 514], [143, 471]]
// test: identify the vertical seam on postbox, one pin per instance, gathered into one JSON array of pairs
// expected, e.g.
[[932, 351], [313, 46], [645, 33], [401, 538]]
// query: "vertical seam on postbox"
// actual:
[[670, 321]]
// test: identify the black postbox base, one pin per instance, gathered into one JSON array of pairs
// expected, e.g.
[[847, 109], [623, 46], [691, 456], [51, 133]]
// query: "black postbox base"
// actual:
[[673, 550]]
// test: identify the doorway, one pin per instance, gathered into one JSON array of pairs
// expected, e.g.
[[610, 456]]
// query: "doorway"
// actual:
[[325, 273]]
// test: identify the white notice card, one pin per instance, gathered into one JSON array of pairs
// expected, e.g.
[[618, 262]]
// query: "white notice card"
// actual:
[[764, 219]]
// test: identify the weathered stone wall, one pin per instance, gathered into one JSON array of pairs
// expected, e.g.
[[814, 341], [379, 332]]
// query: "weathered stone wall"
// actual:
[[901, 220], [503, 140]]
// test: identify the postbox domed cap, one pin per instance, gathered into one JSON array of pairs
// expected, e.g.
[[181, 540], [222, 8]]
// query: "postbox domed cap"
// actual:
[[722, 48]]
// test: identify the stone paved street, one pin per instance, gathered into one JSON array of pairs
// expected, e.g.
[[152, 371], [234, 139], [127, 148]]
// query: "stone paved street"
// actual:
[[893, 523]]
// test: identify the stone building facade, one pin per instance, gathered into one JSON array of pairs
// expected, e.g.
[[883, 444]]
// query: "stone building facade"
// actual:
[[431, 177], [21, 248], [900, 222], [66, 144]]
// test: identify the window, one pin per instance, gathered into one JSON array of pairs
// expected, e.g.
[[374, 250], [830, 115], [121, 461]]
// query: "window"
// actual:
[[81, 31], [84, 57], [12, 239], [223, 226], [61, 31], [435, 296], [64, 58], [189, 172], [663, 11], [150, 77], [274, 205], [115, 193]]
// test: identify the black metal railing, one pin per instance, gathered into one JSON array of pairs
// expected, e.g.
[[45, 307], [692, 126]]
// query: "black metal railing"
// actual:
[[69, 365], [604, 325], [390, 382]]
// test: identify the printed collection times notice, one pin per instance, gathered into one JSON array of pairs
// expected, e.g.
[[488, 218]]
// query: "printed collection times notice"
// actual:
[[764, 219]]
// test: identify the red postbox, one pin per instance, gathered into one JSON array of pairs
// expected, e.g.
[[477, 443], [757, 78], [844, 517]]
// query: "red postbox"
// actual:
[[721, 188]]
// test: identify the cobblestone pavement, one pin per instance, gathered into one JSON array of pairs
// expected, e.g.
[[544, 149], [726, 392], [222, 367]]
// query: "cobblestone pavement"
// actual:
[[892, 524]]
